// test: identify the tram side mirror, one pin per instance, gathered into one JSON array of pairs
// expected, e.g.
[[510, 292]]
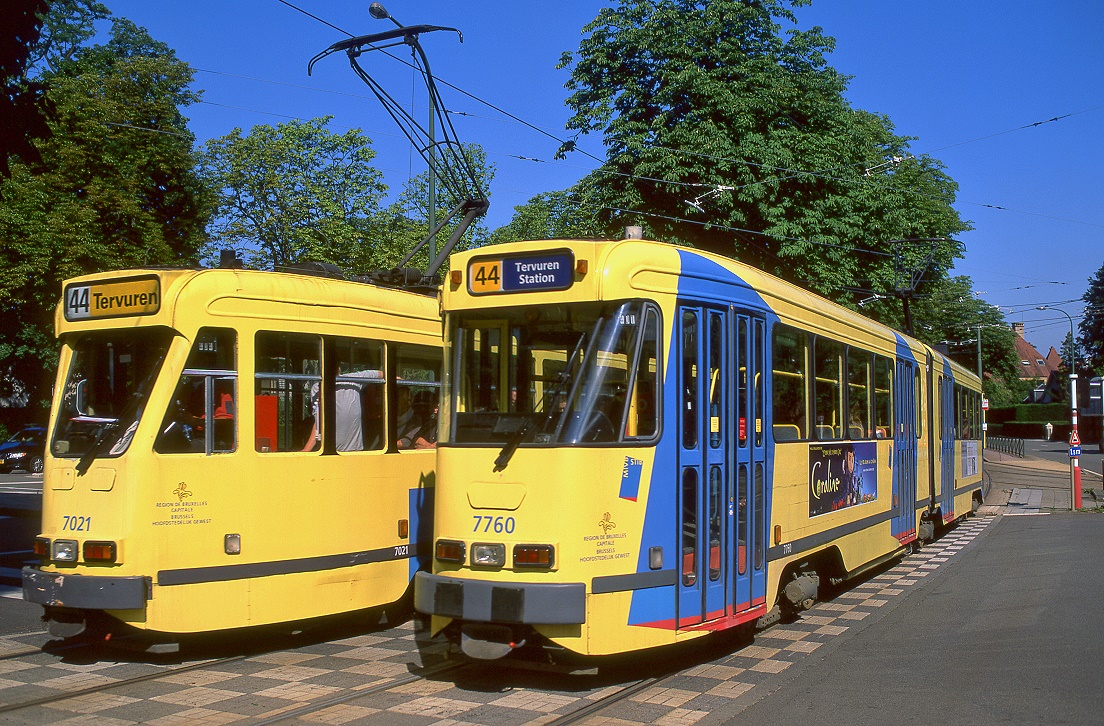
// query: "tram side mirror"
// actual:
[[81, 402]]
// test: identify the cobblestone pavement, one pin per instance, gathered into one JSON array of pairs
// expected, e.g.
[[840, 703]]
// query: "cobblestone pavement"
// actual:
[[321, 682]]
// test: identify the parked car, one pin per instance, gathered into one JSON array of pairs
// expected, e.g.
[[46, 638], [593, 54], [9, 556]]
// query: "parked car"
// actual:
[[26, 450]]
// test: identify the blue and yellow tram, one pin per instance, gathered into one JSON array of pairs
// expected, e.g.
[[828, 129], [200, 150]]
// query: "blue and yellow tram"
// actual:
[[232, 448], [642, 443]]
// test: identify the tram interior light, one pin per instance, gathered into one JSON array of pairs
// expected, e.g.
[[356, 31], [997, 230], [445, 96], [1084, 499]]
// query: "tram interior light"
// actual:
[[42, 546], [64, 550], [655, 558], [99, 552], [488, 555], [542, 556], [450, 551], [231, 544]]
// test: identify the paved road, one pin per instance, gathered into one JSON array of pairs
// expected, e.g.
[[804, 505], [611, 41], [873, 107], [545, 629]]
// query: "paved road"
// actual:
[[1058, 451], [1009, 635]]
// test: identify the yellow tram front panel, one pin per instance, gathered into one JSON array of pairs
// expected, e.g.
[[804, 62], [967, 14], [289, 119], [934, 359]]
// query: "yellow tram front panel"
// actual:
[[238, 495]]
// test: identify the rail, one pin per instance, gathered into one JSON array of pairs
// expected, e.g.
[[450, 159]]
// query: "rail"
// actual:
[[1005, 445]]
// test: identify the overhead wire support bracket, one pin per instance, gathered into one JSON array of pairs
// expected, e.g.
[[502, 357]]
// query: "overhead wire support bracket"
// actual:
[[455, 171]]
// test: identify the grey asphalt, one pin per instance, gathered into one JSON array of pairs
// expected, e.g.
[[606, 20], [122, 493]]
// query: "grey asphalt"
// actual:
[[1011, 633]]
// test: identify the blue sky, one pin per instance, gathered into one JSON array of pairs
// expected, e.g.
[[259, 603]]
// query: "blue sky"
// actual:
[[964, 78]]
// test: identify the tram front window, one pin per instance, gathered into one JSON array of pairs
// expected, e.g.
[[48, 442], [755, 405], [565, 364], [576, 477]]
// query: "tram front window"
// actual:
[[565, 374], [106, 388]]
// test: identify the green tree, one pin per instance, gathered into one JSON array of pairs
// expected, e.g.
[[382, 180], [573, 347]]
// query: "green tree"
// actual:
[[952, 315], [1091, 326], [114, 186], [293, 192], [552, 215], [729, 134], [407, 220]]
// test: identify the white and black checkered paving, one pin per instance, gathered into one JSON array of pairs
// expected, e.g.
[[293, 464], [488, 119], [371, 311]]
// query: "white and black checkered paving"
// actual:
[[261, 688]]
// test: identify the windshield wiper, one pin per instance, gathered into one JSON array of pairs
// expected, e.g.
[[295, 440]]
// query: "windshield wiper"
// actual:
[[518, 436], [131, 414]]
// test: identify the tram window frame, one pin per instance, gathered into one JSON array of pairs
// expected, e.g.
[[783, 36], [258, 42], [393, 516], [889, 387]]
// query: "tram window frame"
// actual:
[[918, 405], [207, 424], [787, 409], [642, 421], [758, 326], [357, 378], [295, 400], [715, 394], [883, 397], [418, 370], [688, 326], [825, 350], [856, 355]]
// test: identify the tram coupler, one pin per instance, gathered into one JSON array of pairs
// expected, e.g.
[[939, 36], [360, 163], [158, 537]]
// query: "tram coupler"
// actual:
[[487, 641], [802, 590]]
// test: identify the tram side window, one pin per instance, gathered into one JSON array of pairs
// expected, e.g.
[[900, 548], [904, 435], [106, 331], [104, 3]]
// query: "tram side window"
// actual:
[[827, 401], [202, 415], [417, 396], [858, 393], [883, 397], [789, 365], [919, 406], [358, 395], [643, 408], [288, 375], [689, 380]]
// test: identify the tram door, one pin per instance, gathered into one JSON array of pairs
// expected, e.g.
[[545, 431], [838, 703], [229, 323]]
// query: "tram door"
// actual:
[[748, 465], [947, 451], [904, 446], [703, 496]]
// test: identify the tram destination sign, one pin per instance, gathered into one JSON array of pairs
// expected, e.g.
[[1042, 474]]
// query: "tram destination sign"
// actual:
[[521, 273], [112, 298]]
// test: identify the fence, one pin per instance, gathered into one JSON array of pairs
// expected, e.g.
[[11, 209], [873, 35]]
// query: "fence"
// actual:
[[1005, 445]]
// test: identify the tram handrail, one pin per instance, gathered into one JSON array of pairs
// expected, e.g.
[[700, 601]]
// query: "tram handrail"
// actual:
[[1005, 445]]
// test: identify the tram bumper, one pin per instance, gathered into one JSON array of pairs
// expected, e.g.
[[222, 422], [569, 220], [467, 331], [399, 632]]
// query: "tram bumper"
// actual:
[[85, 592], [528, 603]]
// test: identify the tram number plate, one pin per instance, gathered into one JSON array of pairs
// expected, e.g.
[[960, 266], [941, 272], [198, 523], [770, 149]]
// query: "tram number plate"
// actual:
[[112, 299], [551, 271]]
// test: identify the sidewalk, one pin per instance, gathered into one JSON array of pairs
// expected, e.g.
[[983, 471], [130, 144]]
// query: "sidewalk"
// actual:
[[1032, 486]]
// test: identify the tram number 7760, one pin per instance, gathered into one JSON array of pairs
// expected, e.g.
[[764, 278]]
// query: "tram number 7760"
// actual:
[[498, 525]]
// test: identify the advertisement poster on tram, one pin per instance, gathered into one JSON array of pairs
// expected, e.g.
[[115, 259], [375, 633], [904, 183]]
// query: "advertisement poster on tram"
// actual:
[[842, 475]]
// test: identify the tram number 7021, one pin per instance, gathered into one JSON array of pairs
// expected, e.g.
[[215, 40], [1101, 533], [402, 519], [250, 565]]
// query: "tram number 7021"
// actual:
[[498, 525]]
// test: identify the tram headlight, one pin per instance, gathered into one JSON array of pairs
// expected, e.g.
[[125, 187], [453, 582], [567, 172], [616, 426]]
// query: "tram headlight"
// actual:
[[448, 550], [534, 556], [488, 555], [64, 550]]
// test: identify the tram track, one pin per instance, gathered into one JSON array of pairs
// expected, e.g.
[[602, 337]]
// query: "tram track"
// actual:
[[67, 695]]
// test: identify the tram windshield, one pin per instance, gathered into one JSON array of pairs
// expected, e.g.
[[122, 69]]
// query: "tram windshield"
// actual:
[[106, 389], [566, 374]]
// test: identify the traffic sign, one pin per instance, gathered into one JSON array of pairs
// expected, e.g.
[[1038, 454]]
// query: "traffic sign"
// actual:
[[1075, 440], [985, 404], [1075, 451]]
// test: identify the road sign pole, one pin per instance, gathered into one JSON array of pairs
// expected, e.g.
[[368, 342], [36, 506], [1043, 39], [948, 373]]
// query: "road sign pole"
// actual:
[[1075, 449]]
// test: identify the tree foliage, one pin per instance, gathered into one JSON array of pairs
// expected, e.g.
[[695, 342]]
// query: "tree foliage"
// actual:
[[293, 192], [113, 186], [727, 133], [953, 316], [1091, 326], [552, 215]]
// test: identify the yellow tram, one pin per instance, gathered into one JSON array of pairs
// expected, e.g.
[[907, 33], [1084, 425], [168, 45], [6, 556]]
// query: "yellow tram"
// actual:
[[230, 448], [642, 443]]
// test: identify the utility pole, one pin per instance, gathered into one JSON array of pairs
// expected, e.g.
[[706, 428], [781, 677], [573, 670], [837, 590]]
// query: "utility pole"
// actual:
[[1074, 439]]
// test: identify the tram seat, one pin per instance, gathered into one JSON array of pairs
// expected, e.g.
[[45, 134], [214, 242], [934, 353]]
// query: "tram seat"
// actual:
[[881, 432], [826, 433], [857, 432], [786, 432]]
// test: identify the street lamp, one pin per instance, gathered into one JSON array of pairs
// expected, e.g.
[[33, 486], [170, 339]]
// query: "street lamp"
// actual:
[[1075, 440]]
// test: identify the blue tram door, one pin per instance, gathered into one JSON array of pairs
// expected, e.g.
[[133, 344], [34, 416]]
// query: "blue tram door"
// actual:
[[749, 498], [905, 449], [704, 557]]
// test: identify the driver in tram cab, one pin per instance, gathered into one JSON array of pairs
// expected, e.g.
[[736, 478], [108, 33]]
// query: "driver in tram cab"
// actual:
[[407, 423]]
